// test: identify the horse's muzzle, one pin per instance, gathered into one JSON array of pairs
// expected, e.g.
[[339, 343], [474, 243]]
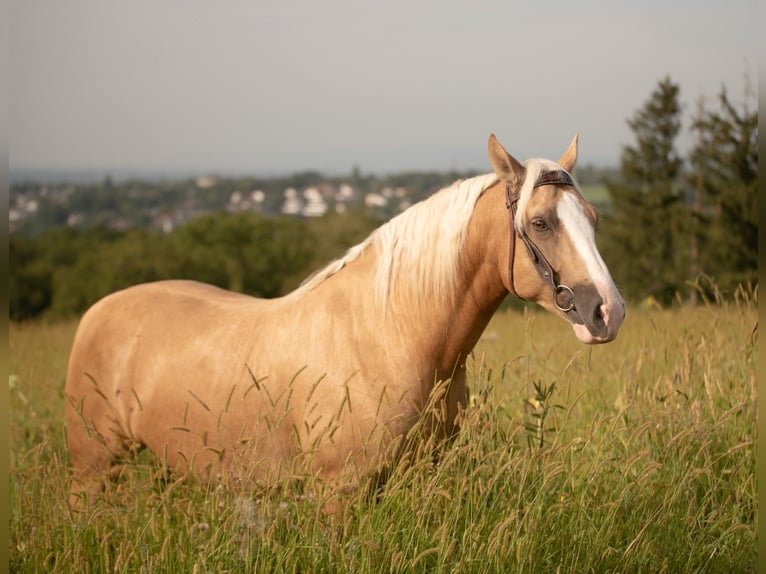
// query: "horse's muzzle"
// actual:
[[594, 319]]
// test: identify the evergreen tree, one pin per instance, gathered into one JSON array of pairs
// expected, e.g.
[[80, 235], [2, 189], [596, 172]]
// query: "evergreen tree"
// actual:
[[644, 231], [725, 177]]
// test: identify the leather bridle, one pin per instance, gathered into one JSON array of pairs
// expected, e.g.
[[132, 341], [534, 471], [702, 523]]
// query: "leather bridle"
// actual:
[[544, 268]]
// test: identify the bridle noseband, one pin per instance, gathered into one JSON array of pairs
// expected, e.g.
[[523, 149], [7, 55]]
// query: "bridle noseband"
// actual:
[[557, 177]]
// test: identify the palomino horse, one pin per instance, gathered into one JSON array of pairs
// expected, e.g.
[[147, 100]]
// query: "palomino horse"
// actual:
[[329, 379]]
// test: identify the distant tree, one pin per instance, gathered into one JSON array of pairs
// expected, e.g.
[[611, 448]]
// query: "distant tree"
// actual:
[[50, 215], [138, 256], [724, 177], [29, 279], [644, 240], [42, 267], [244, 252], [64, 271]]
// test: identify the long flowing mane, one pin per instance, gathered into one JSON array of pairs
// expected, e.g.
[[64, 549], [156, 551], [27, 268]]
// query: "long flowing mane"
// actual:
[[418, 249]]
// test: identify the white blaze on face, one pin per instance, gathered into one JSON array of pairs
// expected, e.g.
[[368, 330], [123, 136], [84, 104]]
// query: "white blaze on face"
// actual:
[[580, 230], [572, 216]]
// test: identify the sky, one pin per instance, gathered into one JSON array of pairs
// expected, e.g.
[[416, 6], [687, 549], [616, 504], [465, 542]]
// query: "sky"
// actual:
[[278, 86]]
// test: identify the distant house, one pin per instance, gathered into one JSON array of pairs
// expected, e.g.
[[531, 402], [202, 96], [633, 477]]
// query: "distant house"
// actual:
[[345, 193], [293, 202], [205, 182], [167, 221], [375, 200], [315, 205], [257, 196], [74, 219]]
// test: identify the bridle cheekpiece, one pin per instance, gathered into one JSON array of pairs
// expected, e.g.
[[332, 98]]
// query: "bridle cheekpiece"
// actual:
[[544, 268]]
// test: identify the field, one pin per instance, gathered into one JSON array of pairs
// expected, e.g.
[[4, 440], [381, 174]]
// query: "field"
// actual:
[[597, 194], [637, 456]]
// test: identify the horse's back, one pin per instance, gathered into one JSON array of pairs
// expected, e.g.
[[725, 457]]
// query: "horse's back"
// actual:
[[173, 302], [177, 292], [151, 319]]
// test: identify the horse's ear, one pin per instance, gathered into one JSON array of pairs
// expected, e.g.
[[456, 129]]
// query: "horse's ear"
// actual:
[[504, 164], [569, 159]]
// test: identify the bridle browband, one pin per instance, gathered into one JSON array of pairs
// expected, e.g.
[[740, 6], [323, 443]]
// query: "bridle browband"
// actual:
[[556, 177]]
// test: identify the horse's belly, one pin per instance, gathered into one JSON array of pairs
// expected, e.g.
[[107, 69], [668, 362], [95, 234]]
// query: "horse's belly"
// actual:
[[220, 434]]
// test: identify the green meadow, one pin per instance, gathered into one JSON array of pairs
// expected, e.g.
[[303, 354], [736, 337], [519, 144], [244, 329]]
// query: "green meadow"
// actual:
[[597, 194], [636, 456]]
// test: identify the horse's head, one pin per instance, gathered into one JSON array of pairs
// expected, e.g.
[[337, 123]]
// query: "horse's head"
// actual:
[[552, 257]]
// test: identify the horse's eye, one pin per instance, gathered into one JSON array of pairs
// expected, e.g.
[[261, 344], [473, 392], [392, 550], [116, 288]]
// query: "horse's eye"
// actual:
[[539, 224]]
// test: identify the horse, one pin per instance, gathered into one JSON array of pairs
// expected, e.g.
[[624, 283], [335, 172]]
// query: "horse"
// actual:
[[329, 380]]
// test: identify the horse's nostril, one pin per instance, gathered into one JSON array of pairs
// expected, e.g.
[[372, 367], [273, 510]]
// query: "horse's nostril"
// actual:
[[598, 316]]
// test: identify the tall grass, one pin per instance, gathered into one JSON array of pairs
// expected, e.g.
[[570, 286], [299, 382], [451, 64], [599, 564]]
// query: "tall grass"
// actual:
[[637, 456]]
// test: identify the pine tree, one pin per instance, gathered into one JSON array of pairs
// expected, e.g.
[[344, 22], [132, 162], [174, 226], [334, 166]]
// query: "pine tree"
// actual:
[[644, 234], [725, 172]]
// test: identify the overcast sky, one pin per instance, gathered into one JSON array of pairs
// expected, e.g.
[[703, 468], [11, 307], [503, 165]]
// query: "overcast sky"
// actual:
[[274, 86]]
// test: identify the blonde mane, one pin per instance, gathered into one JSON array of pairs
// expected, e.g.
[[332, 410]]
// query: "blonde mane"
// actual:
[[418, 249]]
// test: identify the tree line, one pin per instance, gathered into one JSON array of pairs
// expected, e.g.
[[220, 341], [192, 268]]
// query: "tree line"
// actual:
[[684, 228], [61, 272]]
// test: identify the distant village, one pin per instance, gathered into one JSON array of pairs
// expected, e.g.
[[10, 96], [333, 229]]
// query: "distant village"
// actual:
[[35, 207], [39, 204]]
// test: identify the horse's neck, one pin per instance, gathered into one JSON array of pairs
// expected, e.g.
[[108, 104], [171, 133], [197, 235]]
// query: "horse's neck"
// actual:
[[451, 328], [417, 331], [445, 329]]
